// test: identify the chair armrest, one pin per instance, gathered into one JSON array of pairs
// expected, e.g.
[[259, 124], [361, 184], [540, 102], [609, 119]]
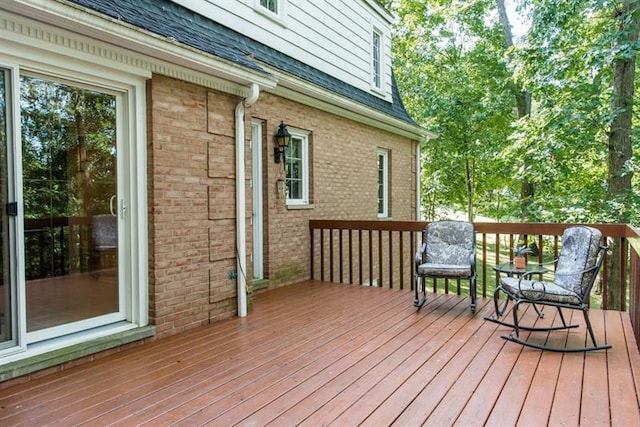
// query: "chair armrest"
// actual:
[[528, 274]]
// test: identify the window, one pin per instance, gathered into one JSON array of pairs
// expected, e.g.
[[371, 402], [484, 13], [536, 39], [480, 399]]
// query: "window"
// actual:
[[376, 59], [270, 5], [383, 183], [272, 9], [297, 168]]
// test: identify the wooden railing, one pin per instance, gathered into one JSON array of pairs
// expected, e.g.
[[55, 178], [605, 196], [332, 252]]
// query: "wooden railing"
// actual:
[[381, 253], [633, 237], [55, 246]]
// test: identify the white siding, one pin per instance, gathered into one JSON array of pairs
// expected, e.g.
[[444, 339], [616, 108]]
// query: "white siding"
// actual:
[[333, 36]]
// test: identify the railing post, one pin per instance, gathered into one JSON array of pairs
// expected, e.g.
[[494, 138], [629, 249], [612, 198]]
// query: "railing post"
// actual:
[[311, 249]]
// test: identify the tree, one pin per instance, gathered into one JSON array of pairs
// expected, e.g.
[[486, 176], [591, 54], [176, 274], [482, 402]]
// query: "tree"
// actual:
[[619, 190], [469, 83], [523, 103], [448, 58]]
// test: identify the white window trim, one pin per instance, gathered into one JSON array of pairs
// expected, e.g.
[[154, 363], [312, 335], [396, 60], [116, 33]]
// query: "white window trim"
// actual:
[[304, 137], [279, 17], [382, 60], [385, 182]]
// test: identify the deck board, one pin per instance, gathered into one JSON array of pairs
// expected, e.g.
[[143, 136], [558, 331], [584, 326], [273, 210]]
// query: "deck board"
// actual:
[[325, 354]]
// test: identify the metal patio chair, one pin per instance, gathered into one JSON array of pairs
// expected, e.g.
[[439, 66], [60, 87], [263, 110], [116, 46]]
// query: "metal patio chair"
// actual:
[[577, 268], [448, 251], [105, 239]]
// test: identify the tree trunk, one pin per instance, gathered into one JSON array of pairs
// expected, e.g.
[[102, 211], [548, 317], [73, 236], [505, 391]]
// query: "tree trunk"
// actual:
[[620, 151], [523, 103], [469, 178]]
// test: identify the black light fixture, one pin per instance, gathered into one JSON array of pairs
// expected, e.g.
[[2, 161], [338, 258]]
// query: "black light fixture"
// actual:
[[282, 139]]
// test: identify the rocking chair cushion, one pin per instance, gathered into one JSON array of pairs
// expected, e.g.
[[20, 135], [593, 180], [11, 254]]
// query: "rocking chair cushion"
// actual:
[[444, 270], [535, 290], [580, 247], [450, 243]]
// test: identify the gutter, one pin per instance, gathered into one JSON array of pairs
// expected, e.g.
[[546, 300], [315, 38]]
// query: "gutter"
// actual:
[[241, 202]]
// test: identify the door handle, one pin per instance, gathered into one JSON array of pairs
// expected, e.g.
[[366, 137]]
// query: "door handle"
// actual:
[[12, 209]]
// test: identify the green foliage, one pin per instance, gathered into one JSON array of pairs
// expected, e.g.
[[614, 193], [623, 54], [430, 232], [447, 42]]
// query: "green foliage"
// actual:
[[449, 63], [461, 83], [567, 63], [68, 149]]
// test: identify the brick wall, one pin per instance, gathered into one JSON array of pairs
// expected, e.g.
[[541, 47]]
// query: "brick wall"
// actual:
[[191, 167], [344, 180], [191, 205]]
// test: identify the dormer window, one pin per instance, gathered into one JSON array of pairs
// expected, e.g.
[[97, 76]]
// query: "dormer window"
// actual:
[[272, 9], [376, 59], [270, 5]]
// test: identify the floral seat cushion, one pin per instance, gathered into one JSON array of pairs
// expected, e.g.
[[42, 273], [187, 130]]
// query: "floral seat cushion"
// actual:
[[444, 270], [536, 290], [580, 246]]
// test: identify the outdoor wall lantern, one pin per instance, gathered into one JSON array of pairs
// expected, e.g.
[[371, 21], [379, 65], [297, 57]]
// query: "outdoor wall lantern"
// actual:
[[282, 139]]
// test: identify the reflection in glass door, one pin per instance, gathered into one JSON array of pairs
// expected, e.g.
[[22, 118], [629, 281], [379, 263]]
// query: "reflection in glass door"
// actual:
[[69, 169], [7, 287]]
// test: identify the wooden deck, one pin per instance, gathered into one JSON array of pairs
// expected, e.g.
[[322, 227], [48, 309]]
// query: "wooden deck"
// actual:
[[326, 354]]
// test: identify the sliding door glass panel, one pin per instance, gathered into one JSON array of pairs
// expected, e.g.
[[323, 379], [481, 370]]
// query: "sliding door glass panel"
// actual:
[[7, 332], [70, 204]]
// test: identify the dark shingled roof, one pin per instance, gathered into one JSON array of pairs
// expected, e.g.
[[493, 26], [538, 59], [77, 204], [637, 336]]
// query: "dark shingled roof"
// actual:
[[173, 21]]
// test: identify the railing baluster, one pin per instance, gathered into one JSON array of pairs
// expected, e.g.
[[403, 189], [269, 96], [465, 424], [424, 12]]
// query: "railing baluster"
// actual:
[[340, 269], [497, 255], [484, 265], [351, 257], [360, 281], [331, 255], [623, 273], [390, 252], [370, 258], [63, 270], [634, 288], [322, 254], [401, 255], [412, 251], [312, 233], [380, 270]]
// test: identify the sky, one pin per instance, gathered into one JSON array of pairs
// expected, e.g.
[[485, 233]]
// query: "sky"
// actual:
[[519, 24]]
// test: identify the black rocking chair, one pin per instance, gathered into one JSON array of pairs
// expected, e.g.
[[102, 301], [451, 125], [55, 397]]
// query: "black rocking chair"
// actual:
[[577, 269], [448, 251]]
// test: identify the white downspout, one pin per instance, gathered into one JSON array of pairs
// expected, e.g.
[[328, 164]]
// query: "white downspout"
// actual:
[[241, 223]]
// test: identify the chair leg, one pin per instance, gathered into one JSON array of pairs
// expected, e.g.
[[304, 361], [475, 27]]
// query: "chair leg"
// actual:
[[473, 292], [496, 299], [516, 326], [516, 338], [417, 301], [590, 329]]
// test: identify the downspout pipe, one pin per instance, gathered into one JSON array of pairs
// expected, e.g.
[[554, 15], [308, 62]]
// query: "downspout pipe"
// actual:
[[241, 200]]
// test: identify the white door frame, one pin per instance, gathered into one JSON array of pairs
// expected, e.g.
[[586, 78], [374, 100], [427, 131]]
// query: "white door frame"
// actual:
[[257, 215]]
